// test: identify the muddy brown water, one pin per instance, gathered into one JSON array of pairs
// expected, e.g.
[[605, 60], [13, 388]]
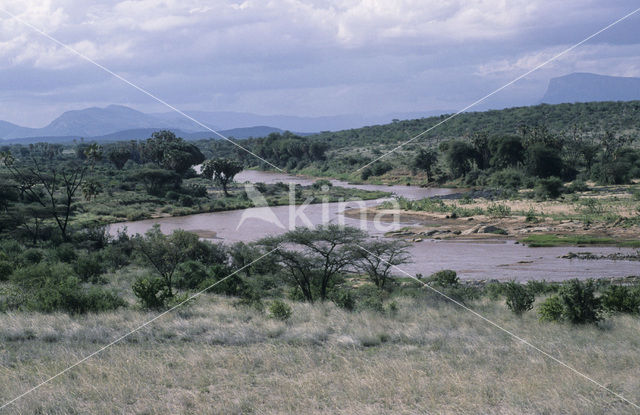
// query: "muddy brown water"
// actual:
[[486, 259]]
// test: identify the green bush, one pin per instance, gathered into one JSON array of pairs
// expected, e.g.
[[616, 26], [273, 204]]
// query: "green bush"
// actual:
[[89, 267], [498, 210], [68, 295], [345, 300], [445, 278], [518, 298], [32, 256], [152, 292], [621, 299], [507, 179], [6, 269], [369, 297], [280, 310], [580, 303], [577, 186], [66, 253], [551, 309], [190, 275], [541, 287], [548, 188]]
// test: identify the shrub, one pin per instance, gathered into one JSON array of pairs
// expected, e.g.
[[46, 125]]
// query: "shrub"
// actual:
[[548, 188], [507, 179], [197, 190], [577, 186], [89, 267], [32, 256], [152, 292], [370, 298], [494, 290], [445, 278], [518, 298], [345, 300], [6, 269], [66, 253], [551, 309], [621, 299], [580, 303], [541, 287], [186, 200], [280, 310], [498, 210], [67, 294], [531, 216], [190, 275]]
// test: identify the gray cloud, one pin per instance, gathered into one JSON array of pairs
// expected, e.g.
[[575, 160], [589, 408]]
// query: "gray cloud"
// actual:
[[301, 57]]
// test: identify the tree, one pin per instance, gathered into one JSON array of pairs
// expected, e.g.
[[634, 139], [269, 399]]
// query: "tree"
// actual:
[[377, 259], [543, 161], [119, 156], [170, 152], [459, 156], [50, 182], [313, 258], [155, 180], [165, 253], [506, 151], [425, 160], [221, 171]]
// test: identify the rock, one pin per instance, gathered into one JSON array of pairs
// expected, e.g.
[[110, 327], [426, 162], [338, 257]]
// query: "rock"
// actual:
[[492, 229], [417, 239], [471, 230]]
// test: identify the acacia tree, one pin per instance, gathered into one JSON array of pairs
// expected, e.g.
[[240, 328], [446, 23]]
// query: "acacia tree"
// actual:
[[164, 253], [313, 258], [378, 257], [425, 160], [221, 171], [50, 182]]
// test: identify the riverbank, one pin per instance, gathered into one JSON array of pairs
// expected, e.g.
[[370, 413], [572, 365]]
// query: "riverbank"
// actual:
[[597, 217]]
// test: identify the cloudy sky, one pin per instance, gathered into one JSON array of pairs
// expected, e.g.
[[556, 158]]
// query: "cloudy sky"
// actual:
[[301, 57]]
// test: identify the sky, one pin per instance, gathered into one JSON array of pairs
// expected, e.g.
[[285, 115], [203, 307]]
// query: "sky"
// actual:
[[302, 57]]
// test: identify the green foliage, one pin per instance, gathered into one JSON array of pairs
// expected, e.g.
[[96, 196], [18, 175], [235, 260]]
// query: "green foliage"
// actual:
[[221, 171], [621, 299], [544, 161], [507, 179], [370, 297], [498, 210], [445, 278], [152, 292], [460, 156], [580, 303], [89, 267], [344, 299], [518, 298], [551, 309], [376, 169], [66, 253], [6, 269], [506, 151], [548, 188], [577, 186], [280, 310], [32, 256]]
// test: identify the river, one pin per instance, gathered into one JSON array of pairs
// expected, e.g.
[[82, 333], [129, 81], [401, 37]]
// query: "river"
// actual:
[[487, 259]]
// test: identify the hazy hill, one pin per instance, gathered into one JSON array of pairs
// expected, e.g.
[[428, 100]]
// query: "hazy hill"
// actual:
[[586, 87], [589, 117]]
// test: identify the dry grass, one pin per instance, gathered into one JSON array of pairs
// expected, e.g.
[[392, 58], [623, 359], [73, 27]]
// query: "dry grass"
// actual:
[[215, 358]]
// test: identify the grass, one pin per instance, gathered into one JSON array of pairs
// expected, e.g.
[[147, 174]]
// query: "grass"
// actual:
[[212, 357], [548, 240]]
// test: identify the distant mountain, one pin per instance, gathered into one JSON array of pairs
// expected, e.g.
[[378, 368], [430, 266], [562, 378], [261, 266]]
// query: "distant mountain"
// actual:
[[226, 120], [143, 133], [117, 122], [587, 87]]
